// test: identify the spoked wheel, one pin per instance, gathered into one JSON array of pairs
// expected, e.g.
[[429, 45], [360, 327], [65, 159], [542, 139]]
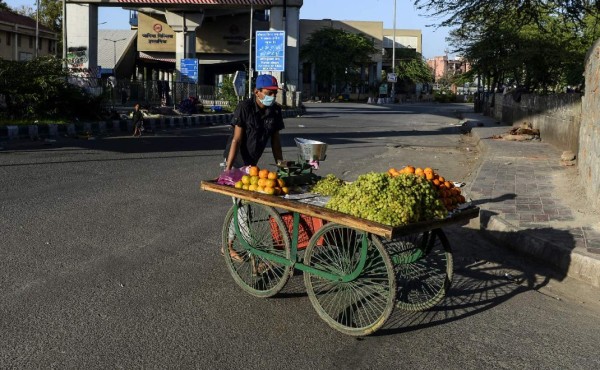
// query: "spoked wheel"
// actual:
[[423, 265], [362, 305], [262, 228]]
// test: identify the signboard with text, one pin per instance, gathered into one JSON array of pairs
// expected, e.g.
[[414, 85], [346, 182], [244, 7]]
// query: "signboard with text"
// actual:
[[239, 83], [270, 51], [189, 70]]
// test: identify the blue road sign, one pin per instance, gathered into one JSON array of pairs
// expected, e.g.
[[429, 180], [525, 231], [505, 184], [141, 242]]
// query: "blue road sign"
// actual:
[[189, 70], [270, 51]]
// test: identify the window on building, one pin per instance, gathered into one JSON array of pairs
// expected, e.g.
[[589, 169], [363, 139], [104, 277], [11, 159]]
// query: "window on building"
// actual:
[[50, 42], [25, 56], [30, 42], [18, 40], [40, 43], [8, 38]]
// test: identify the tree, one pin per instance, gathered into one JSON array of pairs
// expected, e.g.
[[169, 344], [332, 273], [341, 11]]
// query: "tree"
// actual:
[[50, 13], [45, 93], [414, 70], [337, 55]]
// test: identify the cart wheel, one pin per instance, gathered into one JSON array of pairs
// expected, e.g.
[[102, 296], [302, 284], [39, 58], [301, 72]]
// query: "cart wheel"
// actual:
[[358, 307], [424, 283], [263, 229]]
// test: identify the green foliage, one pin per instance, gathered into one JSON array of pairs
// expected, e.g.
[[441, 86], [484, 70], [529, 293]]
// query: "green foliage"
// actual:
[[38, 89], [227, 92], [414, 70], [337, 54], [539, 46], [444, 95], [389, 200]]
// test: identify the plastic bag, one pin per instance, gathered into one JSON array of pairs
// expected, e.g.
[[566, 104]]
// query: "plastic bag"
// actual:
[[230, 177]]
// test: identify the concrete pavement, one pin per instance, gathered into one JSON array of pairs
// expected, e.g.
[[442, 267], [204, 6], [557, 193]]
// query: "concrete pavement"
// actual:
[[531, 203]]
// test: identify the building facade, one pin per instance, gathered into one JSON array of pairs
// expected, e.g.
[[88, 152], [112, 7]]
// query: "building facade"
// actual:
[[18, 37]]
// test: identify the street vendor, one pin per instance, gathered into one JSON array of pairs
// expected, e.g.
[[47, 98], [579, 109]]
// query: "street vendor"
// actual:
[[255, 121]]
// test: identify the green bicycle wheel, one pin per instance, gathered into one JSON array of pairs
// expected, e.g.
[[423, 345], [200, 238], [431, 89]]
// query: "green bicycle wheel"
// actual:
[[424, 282], [358, 307], [262, 228]]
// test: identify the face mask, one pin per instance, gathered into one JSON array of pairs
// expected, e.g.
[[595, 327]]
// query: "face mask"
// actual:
[[267, 101]]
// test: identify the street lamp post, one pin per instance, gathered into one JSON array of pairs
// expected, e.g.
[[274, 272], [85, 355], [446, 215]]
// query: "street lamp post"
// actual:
[[114, 53], [394, 55], [37, 27]]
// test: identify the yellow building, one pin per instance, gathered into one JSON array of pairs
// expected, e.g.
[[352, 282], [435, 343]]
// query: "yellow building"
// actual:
[[18, 37]]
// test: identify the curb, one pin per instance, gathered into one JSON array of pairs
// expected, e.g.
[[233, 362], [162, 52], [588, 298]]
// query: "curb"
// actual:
[[36, 131], [564, 261]]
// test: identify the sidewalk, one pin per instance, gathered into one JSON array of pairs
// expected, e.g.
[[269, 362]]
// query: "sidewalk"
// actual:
[[531, 203]]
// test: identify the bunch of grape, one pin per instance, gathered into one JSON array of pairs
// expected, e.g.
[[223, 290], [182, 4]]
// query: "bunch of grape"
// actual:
[[328, 185], [393, 201]]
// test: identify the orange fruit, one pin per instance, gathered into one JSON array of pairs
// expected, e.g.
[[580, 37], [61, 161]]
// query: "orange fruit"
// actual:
[[409, 169], [285, 190], [281, 183], [269, 191], [441, 179], [263, 174], [246, 179], [272, 175], [261, 182], [253, 171], [245, 186], [419, 172], [277, 191], [447, 184], [260, 189], [270, 183], [429, 175], [252, 187], [461, 198], [428, 170], [239, 184], [436, 182], [392, 170], [254, 180]]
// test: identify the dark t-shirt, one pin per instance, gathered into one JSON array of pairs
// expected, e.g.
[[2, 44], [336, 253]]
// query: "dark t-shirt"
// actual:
[[259, 125], [138, 118]]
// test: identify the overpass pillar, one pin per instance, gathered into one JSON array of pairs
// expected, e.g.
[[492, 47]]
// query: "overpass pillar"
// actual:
[[82, 36], [288, 20], [184, 24]]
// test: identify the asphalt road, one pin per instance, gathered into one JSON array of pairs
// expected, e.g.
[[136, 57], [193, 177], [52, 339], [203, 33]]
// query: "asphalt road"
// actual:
[[109, 259]]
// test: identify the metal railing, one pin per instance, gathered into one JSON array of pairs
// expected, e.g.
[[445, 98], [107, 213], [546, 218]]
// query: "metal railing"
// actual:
[[158, 93]]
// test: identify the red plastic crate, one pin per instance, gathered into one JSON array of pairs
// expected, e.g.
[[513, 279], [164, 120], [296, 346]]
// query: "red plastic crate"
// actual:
[[306, 228]]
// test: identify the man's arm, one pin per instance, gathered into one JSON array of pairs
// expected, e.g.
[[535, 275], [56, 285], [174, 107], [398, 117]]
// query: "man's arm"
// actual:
[[235, 144], [276, 147]]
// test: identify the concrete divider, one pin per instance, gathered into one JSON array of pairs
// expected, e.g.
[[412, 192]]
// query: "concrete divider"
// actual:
[[71, 130], [33, 132], [12, 132], [53, 130]]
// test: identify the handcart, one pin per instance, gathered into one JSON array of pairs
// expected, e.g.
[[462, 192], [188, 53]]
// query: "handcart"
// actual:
[[355, 271]]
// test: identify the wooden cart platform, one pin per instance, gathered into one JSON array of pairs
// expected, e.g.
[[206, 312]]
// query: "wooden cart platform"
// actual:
[[376, 228]]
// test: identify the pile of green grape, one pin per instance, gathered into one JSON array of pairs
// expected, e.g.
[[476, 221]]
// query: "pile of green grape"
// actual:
[[328, 185], [393, 201]]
